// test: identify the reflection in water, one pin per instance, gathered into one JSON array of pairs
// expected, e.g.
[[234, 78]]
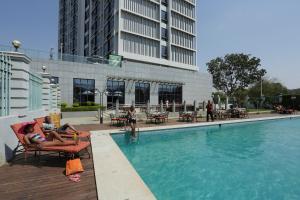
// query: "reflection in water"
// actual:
[[131, 142]]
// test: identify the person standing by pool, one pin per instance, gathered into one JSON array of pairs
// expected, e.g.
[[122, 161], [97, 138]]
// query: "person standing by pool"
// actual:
[[209, 111], [132, 120]]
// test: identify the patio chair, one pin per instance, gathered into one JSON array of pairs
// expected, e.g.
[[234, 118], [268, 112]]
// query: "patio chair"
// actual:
[[166, 115], [113, 119], [225, 114], [22, 147], [243, 113], [149, 117], [181, 116], [82, 134], [196, 116], [160, 119]]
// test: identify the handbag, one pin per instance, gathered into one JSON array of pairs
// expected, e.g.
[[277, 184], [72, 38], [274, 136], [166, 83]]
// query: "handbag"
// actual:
[[73, 166]]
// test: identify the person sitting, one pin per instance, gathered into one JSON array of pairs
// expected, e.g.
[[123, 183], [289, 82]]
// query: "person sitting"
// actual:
[[132, 120], [52, 139], [48, 126]]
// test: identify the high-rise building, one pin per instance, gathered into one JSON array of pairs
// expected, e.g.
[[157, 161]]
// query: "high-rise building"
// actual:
[[161, 32]]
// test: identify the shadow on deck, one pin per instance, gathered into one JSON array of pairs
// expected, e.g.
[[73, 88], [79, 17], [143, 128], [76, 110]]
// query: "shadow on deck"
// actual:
[[45, 179]]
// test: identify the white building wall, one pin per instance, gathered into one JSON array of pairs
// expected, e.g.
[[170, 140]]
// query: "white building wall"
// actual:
[[196, 86], [19, 103]]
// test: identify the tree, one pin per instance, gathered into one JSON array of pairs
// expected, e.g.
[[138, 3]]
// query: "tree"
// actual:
[[271, 89], [235, 72]]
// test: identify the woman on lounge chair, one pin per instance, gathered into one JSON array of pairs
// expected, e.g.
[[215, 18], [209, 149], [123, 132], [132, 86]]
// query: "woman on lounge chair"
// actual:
[[132, 120], [52, 139], [48, 126]]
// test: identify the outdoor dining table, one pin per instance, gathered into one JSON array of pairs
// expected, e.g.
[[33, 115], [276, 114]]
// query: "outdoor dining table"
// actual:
[[188, 116], [158, 117]]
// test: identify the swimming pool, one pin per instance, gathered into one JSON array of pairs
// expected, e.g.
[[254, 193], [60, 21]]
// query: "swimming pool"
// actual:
[[257, 160]]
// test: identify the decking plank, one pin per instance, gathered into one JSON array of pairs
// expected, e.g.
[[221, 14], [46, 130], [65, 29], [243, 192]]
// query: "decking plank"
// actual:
[[45, 180]]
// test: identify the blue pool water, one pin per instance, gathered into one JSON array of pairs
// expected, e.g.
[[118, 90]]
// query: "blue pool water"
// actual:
[[258, 160]]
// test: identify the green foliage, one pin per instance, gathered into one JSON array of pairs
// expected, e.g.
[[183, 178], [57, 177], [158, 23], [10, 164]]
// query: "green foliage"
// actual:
[[241, 96], [75, 105], [221, 94], [270, 88], [63, 104], [295, 91], [235, 72], [89, 103], [288, 102], [82, 108]]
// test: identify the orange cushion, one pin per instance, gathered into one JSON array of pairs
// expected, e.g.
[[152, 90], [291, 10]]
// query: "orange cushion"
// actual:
[[82, 134], [18, 130], [40, 121], [70, 148]]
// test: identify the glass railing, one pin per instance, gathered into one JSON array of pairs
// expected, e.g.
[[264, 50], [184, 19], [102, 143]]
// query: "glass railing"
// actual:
[[51, 55]]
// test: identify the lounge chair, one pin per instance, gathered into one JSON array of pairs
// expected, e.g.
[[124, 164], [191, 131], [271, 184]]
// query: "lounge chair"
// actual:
[[82, 134], [24, 148]]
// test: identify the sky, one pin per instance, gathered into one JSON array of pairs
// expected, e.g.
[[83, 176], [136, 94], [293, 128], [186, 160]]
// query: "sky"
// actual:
[[268, 29]]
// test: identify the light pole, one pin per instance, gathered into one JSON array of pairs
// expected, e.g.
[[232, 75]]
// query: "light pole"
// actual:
[[61, 51], [280, 98], [17, 44], [101, 94], [261, 87]]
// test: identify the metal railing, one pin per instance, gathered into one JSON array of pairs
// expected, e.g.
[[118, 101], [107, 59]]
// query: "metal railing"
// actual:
[[5, 77], [51, 55]]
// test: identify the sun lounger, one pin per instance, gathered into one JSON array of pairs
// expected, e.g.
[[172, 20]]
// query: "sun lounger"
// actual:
[[72, 149], [82, 134]]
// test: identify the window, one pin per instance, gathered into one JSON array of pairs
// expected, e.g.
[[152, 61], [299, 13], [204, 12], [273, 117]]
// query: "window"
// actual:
[[164, 34], [164, 52], [170, 93], [83, 90], [164, 2], [35, 91], [54, 80], [164, 16], [112, 87], [108, 11], [142, 93]]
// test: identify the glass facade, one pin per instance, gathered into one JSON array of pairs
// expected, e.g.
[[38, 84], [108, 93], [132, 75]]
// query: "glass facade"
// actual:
[[164, 52], [164, 16], [170, 93], [112, 87], [142, 93], [164, 34], [83, 90]]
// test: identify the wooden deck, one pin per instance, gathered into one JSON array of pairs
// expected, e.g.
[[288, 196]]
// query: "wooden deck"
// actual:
[[45, 179]]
